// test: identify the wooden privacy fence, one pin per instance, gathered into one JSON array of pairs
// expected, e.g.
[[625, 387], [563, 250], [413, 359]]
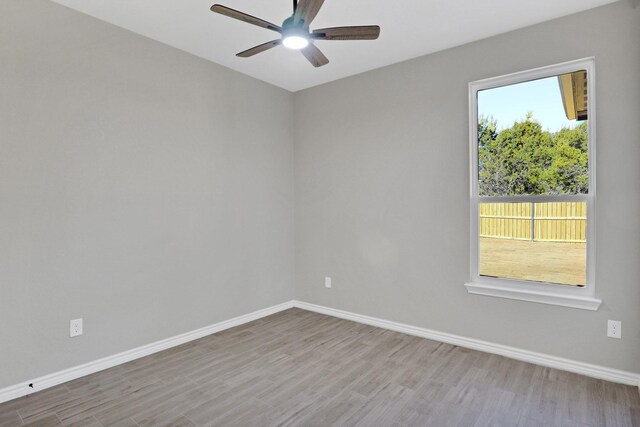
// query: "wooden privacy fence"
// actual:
[[550, 222]]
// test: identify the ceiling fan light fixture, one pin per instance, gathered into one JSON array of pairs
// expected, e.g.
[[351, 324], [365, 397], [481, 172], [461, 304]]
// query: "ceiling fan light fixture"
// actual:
[[294, 35], [295, 42]]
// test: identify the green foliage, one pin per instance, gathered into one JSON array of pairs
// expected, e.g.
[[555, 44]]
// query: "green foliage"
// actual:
[[525, 159]]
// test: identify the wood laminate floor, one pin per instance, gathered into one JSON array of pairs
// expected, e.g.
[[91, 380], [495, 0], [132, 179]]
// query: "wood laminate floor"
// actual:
[[306, 369]]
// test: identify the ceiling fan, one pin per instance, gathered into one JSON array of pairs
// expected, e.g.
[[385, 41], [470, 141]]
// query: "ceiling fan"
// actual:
[[295, 33]]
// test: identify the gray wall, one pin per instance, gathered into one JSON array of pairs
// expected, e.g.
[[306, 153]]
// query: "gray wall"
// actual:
[[382, 191], [141, 188], [151, 192]]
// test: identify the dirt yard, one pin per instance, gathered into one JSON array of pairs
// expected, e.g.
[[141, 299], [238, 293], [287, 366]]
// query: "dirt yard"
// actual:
[[553, 262]]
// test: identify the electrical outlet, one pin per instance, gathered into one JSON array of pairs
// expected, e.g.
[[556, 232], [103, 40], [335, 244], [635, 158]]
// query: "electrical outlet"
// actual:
[[75, 327], [614, 329], [327, 282]]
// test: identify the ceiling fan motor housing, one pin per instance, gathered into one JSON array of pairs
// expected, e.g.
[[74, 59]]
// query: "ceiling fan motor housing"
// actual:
[[291, 27]]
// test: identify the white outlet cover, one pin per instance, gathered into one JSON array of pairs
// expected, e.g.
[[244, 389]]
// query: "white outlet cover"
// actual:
[[327, 282], [75, 327], [614, 329]]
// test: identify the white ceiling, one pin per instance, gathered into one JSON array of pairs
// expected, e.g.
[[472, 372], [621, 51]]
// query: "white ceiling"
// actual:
[[410, 28]]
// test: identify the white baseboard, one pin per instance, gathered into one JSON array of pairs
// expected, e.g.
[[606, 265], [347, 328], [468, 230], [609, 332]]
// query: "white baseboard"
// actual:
[[595, 371], [41, 383]]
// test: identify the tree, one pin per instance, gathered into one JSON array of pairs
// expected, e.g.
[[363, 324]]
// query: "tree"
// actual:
[[525, 159], [491, 167], [569, 170]]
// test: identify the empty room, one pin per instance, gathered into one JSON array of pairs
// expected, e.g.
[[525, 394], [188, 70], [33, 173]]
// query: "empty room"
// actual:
[[319, 213]]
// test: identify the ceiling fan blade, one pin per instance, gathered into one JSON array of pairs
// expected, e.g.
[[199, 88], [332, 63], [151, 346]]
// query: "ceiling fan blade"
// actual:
[[307, 10], [314, 55], [232, 13], [260, 48], [366, 32]]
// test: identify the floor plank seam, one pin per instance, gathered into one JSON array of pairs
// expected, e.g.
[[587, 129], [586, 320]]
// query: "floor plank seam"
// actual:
[[301, 368]]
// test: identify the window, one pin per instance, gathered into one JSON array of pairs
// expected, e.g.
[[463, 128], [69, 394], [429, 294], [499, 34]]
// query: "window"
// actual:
[[532, 138]]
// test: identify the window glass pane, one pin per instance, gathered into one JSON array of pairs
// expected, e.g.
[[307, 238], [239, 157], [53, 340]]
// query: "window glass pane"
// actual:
[[533, 137], [542, 242]]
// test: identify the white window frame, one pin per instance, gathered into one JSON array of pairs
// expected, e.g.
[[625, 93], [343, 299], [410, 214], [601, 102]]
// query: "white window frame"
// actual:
[[547, 293]]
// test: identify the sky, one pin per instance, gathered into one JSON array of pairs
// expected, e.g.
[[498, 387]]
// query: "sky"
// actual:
[[508, 104]]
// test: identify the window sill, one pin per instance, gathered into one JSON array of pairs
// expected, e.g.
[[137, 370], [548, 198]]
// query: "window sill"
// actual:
[[502, 291]]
